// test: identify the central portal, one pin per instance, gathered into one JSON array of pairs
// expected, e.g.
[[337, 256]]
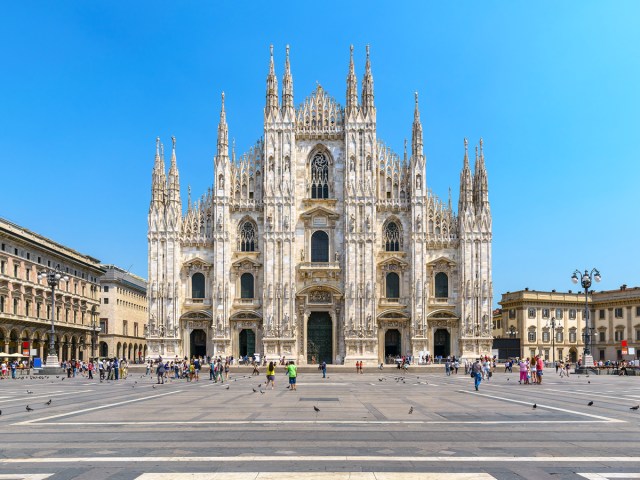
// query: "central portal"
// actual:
[[392, 343], [198, 343], [441, 343], [247, 342], [319, 338]]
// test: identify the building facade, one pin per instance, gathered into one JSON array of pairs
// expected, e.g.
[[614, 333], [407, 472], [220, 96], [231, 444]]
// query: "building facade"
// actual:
[[529, 316], [123, 314], [25, 300], [320, 243]]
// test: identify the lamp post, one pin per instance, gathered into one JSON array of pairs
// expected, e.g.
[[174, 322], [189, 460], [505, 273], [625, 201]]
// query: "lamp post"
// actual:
[[553, 323], [95, 331], [586, 279], [512, 332], [53, 277]]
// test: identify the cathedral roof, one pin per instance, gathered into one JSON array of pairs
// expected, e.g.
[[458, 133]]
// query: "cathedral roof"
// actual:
[[319, 114]]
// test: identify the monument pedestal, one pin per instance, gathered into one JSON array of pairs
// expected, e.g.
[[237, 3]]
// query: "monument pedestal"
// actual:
[[52, 366]]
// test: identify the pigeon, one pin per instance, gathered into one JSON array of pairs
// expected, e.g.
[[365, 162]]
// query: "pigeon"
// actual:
[[260, 386], [379, 379], [589, 381], [57, 376], [227, 388], [29, 409], [48, 403], [0, 412], [29, 392], [590, 403], [508, 379], [262, 392], [635, 408], [316, 409], [153, 386], [63, 379], [535, 406], [254, 390], [410, 410]]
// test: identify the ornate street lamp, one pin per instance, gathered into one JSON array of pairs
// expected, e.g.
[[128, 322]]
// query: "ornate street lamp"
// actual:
[[95, 332], [53, 277], [554, 324], [586, 279], [512, 332]]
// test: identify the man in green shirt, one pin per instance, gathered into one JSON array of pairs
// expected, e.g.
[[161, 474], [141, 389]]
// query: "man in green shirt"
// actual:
[[292, 371]]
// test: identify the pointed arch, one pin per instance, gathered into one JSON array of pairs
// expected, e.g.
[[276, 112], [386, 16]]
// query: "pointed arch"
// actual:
[[392, 235], [247, 235], [320, 173]]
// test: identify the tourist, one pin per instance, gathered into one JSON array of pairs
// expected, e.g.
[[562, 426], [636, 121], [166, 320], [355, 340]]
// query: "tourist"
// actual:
[[271, 375], [477, 374], [160, 372], [539, 367], [324, 369], [292, 372]]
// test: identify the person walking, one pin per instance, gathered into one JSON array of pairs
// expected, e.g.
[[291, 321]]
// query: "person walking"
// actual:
[[271, 375], [160, 372], [477, 373], [292, 372]]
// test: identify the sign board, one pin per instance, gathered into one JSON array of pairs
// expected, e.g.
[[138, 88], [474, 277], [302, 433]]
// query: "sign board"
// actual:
[[37, 363], [625, 351], [34, 352], [632, 350], [624, 344]]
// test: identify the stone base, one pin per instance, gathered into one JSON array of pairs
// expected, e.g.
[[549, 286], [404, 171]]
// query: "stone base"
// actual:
[[367, 360], [51, 367], [587, 361]]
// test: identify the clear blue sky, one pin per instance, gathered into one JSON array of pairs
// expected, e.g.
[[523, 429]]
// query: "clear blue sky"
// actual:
[[553, 87]]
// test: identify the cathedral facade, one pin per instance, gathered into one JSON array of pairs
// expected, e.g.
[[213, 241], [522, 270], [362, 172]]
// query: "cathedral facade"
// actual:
[[320, 243]]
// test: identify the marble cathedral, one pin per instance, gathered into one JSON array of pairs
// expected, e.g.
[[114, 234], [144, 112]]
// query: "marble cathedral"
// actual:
[[319, 243]]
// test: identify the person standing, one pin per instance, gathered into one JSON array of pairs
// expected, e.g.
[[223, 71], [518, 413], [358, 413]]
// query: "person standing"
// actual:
[[324, 369], [90, 368], [292, 371], [539, 367]]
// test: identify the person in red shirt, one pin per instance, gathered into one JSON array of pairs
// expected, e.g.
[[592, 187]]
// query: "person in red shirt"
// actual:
[[539, 367]]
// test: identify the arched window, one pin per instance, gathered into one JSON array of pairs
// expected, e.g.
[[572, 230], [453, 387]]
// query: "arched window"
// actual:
[[246, 285], [320, 246], [247, 237], [197, 285], [442, 285], [391, 237], [319, 176], [393, 285]]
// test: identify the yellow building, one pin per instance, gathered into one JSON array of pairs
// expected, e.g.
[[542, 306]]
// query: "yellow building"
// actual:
[[25, 299], [530, 316], [123, 314]]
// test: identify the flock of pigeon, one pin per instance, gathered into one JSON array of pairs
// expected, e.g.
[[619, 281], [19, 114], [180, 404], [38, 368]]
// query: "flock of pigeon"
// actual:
[[259, 389]]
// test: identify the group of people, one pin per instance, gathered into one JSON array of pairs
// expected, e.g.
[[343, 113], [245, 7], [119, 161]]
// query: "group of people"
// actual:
[[531, 370], [13, 366]]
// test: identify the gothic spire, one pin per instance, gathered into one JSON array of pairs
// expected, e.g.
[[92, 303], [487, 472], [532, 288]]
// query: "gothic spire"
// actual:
[[158, 177], [223, 133], [174, 176], [287, 86], [367, 87], [272, 87], [480, 182], [466, 188], [416, 136], [352, 86]]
